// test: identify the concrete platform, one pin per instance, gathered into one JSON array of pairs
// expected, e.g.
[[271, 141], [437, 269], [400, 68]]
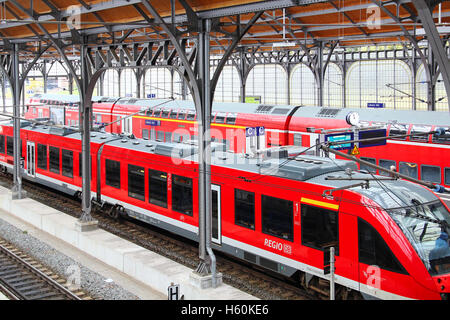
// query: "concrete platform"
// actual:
[[141, 265]]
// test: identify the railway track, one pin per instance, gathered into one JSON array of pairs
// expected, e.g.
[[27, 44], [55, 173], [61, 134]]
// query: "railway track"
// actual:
[[238, 274], [23, 278]]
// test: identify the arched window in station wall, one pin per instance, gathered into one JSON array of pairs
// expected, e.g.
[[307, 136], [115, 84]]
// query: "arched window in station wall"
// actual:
[[58, 78], [178, 88], [128, 83], [333, 87], [269, 81], [379, 81], [157, 83], [111, 83], [422, 88], [228, 88], [303, 86]]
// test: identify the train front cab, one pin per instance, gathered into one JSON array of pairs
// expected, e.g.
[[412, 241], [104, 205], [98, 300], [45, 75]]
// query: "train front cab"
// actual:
[[389, 262]]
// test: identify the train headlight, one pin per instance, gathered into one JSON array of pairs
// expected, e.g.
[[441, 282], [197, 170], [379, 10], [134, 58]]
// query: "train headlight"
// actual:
[[352, 118]]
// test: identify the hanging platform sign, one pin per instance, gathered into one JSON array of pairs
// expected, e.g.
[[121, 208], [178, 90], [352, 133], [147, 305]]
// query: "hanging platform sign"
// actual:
[[375, 105], [368, 134]]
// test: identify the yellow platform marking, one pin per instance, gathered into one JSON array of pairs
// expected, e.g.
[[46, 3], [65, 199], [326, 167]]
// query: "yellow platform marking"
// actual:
[[320, 203]]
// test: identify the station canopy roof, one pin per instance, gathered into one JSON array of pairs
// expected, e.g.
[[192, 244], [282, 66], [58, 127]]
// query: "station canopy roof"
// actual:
[[284, 24]]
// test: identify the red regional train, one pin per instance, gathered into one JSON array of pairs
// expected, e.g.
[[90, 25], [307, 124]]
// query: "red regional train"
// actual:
[[389, 238], [421, 157]]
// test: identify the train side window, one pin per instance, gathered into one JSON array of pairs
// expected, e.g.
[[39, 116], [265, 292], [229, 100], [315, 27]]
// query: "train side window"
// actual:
[[409, 169], [42, 156], [157, 188], [398, 129], [54, 160], [181, 115], [168, 136], [2, 144], [145, 134], [430, 173], [136, 182], [367, 168], [67, 163], [244, 209], [173, 114], [387, 164], [182, 200], [444, 139], [419, 129], [190, 115], [10, 146], [277, 217], [112, 176], [447, 176], [165, 113], [319, 227], [297, 139], [373, 250], [160, 135]]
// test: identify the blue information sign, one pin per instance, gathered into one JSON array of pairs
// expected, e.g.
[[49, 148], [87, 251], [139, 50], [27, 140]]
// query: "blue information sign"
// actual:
[[255, 131], [340, 137], [375, 105], [151, 95], [153, 122]]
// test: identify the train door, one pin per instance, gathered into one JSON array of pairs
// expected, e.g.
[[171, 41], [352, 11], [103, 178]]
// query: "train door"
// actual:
[[216, 236], [31, 159], [127, 125]]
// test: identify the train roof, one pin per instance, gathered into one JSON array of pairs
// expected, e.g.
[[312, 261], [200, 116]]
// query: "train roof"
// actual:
[[66, 97], [377, 115], [389, 194]]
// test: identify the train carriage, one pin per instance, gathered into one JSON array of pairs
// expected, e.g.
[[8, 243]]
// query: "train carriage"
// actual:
[[280, 214]]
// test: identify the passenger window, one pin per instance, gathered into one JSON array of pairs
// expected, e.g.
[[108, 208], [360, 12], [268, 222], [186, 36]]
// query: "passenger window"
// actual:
[[165, 113], [157, 188], [2, 144], [277, 217], [10, 146], [54, 160], [319, 227], [190, 115], [444, 138], [182, 195], [42, 156], [367, 168], [67, 163], [244, 209], [387, 164], [373, 250], [181, 115], [112, 176], [145, 134], [220, 118], [160, 135], [168, 136], [409, 169], [297, 139], [447, 176], [173, 114], [430, 173], [398, 129], [419, 129], [136, 182]]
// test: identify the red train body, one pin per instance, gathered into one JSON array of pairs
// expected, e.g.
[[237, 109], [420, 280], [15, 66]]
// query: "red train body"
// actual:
[[280, 220], [166, 120]]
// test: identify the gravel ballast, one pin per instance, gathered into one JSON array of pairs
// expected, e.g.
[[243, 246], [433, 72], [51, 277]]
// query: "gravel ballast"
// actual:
[[91, 282]]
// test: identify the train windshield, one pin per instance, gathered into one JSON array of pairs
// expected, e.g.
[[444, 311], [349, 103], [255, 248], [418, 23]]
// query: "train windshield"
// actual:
[[427, 226]]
